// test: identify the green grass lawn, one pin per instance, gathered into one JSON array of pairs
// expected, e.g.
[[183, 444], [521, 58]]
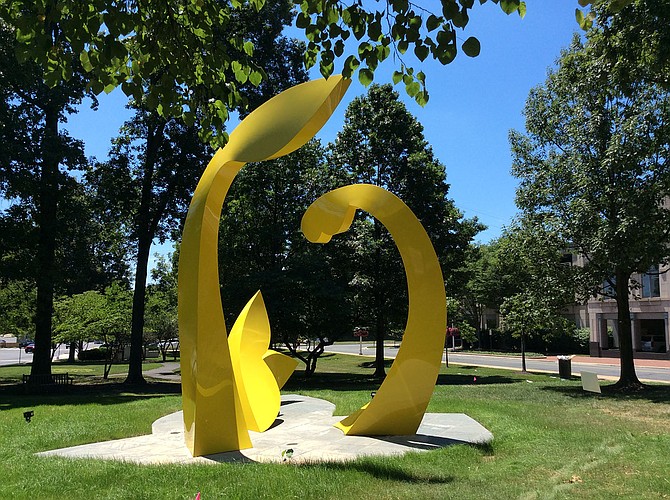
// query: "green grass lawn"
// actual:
[[551, 441], [81, 371]]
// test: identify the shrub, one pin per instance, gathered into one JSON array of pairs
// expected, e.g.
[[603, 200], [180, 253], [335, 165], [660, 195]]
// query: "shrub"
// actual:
[[93, 354]]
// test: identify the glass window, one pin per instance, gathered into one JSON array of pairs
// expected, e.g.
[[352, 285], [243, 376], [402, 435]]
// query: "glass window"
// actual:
[[650, 283]]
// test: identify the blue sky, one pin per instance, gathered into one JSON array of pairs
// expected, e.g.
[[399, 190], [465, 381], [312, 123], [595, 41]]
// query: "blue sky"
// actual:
[[474, 102]]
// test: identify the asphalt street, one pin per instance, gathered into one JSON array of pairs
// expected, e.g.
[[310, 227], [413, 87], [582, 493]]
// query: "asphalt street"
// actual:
[[609, 371], [15, 355]]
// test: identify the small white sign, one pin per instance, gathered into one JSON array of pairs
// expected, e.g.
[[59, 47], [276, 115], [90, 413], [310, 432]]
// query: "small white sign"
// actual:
[[590, 382]]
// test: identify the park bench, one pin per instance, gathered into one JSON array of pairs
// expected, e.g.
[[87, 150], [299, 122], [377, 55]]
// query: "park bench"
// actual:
[[55, 378]]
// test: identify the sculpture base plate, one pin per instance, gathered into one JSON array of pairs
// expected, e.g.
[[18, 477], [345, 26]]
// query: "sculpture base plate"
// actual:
[[304, 425]]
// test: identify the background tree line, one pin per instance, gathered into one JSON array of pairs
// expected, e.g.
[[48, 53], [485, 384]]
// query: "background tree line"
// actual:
[[73, 225]]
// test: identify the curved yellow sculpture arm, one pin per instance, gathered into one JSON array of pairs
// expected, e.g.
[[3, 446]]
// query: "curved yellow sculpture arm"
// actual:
[[213, 410], [401, 401], [254, 376]]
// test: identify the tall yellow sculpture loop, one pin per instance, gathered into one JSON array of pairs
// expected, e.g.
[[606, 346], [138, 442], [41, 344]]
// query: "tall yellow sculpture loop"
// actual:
[[219, 408], [401, 401]]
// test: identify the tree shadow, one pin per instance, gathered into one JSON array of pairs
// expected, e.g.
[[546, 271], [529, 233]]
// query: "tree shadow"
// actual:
[[21, 396], [333, 381], [455, 379], [384, 470], [650, 393], [373, 364]]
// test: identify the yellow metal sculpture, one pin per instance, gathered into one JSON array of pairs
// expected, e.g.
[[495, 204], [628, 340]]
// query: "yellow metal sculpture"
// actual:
[[219, 407], [399, 405], [230, 384]]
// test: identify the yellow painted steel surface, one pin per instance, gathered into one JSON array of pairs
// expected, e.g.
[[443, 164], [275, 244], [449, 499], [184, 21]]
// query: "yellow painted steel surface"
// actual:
[[218, 407], [400, 403]]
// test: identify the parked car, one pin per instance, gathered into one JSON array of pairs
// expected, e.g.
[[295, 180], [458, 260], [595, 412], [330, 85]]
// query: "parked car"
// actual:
[[169, 345], [30, 347]]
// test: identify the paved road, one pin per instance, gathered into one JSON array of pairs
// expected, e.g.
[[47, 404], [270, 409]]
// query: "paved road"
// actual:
[[652, 374], [10, 356], [14, 355]]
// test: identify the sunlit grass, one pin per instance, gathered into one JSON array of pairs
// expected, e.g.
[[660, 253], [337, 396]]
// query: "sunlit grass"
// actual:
[[82, 370], [551, 441]]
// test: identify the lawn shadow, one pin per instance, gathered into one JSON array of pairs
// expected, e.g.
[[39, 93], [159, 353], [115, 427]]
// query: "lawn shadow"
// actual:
[[20, 396], [384, 470], [650, 393], [333, 381], [373, 364], [456, 379]]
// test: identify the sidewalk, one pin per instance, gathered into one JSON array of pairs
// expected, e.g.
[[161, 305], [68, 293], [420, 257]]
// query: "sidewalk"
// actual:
[[165, 372], [647, 363]]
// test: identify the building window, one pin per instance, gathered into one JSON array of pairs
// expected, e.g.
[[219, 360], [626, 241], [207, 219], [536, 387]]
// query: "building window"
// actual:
[[650, 283]]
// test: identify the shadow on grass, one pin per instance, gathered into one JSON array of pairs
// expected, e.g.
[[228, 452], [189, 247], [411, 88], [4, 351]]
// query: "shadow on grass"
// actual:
[[451, 379], [386, 471], [650, 393], [332, 381], [373, 364], [363, 382], [20, 396]]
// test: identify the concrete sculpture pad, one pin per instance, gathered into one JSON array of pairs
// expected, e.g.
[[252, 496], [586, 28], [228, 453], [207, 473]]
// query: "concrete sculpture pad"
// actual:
[[305, 425]]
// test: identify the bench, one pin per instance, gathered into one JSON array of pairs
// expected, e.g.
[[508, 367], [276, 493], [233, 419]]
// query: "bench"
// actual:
[[55, 378]]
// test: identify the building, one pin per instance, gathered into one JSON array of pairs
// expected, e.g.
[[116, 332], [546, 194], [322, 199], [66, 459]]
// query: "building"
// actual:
[[649, 308]]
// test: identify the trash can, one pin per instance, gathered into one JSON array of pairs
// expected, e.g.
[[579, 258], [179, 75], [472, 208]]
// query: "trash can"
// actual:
[[564, 366]]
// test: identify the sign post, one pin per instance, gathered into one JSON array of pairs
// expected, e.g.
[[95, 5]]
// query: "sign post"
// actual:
[[360, 332]]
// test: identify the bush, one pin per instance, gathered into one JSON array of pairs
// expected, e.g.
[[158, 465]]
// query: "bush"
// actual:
[[98, 354]]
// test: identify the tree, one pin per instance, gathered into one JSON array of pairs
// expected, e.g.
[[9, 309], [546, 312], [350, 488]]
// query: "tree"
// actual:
[[149, 178], [261, 247], [593, 168], [383, 144], [195, 62], [537, 285], [155, 164], [76, 318], [17, 305], [33, 152]]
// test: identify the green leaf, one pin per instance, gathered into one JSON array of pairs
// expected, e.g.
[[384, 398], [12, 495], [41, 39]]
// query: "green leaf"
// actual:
[[433, 22], [351, 64], [421, 52], [365, 76], [255, 78], [585, 22], [339, 48], [421, 98], [85, 61], [413, 89], [509, 6], [522, 9], [302, 21], [471, 47], [249, 48], [397, 76], [400, 5]]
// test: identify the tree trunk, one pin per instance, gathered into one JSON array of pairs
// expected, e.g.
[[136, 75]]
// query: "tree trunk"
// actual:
[[380, 371], [146, 224], [73, 350], [523, 353], [627, 378], [380, 324], [46, 247], [137, 323]]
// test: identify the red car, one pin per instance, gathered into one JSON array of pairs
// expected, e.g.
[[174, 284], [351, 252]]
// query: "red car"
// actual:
[[29, 348]]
